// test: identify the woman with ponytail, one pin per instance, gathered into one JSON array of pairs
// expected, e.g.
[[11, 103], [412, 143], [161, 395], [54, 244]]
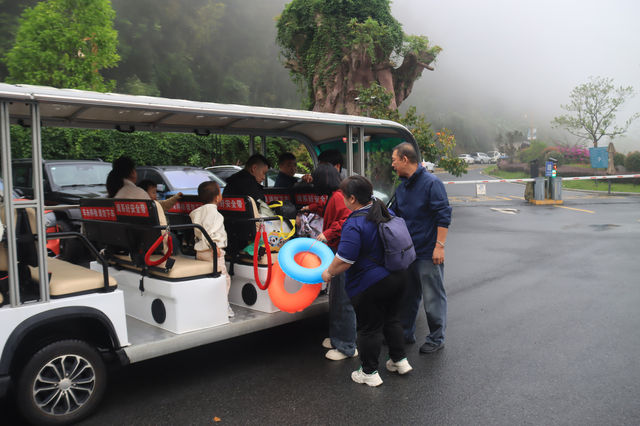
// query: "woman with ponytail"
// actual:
[[121, 181], [375, 292]]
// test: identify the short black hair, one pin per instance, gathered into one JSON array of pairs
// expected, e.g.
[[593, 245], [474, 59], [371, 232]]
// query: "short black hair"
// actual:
[[331, 156], [257, 159], [208, 191], [405, 149], [286, 156], [146, 184]]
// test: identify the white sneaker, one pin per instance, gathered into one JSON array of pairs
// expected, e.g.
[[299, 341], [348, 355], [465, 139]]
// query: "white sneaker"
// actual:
[[372, 379], [401, 367], [230, 312], [336, 355], [326, 343]]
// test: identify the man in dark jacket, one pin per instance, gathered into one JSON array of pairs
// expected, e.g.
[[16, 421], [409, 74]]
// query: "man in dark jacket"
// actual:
[[422, 202], [247, 181]]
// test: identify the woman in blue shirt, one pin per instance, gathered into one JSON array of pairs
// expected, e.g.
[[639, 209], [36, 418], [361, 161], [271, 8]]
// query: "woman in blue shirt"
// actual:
[[374, 291]]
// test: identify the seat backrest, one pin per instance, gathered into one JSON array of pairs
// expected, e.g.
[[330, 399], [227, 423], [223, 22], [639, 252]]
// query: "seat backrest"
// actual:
[[236, 209], [179, 215], [122, 224], [305, 195], [278, 194]]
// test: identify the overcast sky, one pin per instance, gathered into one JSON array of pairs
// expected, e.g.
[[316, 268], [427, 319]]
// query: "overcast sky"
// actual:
[[526, 55]]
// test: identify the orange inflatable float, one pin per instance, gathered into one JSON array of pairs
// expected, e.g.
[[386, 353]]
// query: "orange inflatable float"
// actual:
[[294, 302]]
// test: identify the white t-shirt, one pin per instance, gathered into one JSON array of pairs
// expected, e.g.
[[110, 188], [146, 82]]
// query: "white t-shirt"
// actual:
[[212, 221]]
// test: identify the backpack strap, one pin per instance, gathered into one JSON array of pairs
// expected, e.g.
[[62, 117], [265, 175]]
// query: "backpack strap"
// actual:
[[368, 256]]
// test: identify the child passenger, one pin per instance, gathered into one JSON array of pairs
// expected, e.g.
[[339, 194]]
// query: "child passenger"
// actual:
[[212, 221], [152, 189]]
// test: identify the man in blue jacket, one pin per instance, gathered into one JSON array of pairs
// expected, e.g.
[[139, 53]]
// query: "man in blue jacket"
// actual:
[[422, 202]]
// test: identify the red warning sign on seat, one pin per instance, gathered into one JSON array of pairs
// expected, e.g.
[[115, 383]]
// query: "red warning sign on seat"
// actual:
[[232, 205], [131, 208], [98, 213]]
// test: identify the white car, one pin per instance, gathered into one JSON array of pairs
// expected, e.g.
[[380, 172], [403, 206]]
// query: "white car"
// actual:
[[480, 158], [429, 166], [467, 158], [494, 156]]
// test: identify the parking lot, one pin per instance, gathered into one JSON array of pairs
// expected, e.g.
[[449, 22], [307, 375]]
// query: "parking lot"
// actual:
[[542, 329]]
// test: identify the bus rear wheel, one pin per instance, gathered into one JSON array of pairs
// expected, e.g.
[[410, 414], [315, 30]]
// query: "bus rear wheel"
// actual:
[[62, 383]]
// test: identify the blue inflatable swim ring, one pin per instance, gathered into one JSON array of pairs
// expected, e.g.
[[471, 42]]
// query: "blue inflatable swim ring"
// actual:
[[300, 273]]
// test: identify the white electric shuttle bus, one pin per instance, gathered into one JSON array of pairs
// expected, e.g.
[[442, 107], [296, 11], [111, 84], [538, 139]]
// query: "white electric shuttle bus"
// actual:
[[62, 324]]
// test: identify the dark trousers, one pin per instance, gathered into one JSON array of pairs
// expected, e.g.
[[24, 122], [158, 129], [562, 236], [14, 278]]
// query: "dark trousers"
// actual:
[[377, 313]]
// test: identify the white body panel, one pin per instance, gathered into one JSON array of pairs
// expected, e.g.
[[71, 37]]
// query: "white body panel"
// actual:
[[111, 304], [243, 275], [190, 305]]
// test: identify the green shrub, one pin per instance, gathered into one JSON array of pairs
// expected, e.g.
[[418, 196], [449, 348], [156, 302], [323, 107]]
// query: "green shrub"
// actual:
[[557, 155], [534, 152], [618, 159], [632, 162]]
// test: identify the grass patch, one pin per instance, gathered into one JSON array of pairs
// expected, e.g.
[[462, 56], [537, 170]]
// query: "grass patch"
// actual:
[[601, 185], [495, 171]]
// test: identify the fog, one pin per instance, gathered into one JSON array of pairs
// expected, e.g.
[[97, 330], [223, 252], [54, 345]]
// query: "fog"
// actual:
[[509, 65]]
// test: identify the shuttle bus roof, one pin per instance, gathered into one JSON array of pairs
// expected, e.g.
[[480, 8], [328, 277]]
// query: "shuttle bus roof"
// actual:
[[85, 109]]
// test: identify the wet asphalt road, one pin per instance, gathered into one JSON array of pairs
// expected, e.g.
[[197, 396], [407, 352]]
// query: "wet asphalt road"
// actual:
[[542, 329]]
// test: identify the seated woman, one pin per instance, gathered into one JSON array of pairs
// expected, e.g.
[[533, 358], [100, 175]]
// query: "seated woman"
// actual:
[[375, 292], [121, 181]]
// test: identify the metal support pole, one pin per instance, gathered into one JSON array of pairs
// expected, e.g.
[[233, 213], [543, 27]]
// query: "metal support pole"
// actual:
[[361, 151], [252, 144], [9, 220], [38, 199], [609, 180], [349, 151], [263, 144]]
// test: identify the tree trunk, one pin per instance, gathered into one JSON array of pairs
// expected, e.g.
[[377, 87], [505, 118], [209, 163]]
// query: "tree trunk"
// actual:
[[356, 71]]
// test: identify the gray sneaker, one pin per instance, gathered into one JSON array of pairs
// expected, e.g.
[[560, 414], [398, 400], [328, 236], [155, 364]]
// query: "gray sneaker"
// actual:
[[429, 348]]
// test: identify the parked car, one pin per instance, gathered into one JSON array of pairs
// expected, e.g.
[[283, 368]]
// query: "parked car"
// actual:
[[429, 166], [467, 158], [223, 172], [480, 158], [174, 179], [494, 156], [65, 182]]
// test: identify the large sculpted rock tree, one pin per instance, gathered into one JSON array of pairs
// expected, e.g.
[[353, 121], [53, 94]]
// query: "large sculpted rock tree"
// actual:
[[336, 48]]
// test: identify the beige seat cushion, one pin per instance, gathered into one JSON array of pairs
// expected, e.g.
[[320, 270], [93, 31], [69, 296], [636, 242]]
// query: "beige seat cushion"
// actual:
[[184, 267], [67, 278]]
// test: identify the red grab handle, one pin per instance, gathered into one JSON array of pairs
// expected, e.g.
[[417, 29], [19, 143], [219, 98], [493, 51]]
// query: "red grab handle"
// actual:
[[256, 246], [147, 256]]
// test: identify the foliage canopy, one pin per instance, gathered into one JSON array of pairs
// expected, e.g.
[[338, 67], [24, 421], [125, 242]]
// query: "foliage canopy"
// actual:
[[592, 110], [65, 43], [331, 46]]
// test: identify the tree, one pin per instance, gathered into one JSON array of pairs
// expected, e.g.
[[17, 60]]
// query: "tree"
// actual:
[[334, 48], [65, 43], [593, 110]]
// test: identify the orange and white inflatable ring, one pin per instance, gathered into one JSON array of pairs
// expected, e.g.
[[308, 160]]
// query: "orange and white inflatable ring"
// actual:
[[298, 301]]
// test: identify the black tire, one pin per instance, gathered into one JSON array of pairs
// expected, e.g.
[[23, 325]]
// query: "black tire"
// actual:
[[45, 399], [70, 249]]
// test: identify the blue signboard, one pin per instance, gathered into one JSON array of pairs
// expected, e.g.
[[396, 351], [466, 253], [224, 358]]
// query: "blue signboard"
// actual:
[[599, 158], [548, 168]]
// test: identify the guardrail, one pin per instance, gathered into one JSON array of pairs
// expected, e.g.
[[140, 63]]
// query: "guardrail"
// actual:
[[533, 179]]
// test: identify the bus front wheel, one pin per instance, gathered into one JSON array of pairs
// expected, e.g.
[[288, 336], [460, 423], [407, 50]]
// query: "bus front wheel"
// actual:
[[62, 383]]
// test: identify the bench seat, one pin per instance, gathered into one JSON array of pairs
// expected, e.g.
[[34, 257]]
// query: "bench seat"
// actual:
[[68, 279], [183, 268]]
